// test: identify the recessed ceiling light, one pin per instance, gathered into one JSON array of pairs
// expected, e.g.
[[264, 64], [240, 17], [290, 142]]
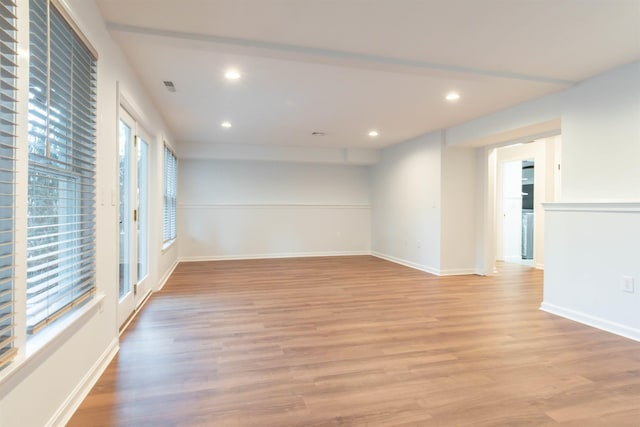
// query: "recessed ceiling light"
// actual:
[[225, 124], [452, 96], [232, 74], [373, 133]]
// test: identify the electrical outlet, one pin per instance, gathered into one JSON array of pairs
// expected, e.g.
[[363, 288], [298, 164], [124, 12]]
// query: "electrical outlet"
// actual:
[[627, 284]]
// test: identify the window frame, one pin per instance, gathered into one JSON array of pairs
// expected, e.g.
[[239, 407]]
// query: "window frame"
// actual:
[[169, 196], [68, 161]]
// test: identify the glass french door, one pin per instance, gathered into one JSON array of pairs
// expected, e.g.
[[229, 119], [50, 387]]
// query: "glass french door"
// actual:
[[133, 156]]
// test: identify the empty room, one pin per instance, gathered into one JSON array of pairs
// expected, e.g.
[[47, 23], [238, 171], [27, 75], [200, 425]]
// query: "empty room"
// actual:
[[319, 213]]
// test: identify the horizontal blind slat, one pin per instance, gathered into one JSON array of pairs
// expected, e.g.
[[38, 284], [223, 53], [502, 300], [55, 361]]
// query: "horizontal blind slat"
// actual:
[[6, 331], [44, 291], [62, 164], [8, 78], [7, 353]]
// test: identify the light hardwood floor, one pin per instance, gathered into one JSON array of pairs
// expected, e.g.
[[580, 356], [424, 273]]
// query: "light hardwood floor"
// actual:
[[360, 341]]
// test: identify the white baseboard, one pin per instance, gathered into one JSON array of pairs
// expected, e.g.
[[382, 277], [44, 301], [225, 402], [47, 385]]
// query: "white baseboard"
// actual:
[[593, 321], [272, 255], [416, 266], [166, 276], [459, 272], [73, 401], [426, 268]]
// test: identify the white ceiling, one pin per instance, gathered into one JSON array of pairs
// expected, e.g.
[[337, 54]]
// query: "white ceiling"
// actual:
[[345, 67]]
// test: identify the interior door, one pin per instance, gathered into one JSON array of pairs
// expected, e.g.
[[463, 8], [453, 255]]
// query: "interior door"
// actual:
[[141, 289], [133, 218], [512, 210], [127, 217]]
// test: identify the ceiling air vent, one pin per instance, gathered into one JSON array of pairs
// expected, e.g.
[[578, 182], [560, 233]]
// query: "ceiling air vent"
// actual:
[[170, 86], [318, 134]]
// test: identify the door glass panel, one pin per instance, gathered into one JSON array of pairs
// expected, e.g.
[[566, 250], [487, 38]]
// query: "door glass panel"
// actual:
[[143, 214], [124, 141]]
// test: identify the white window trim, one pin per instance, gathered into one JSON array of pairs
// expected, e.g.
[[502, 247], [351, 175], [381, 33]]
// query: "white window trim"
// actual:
[[42, 345]]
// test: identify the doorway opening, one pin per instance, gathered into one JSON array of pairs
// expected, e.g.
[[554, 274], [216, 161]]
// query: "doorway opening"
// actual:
[[518, 185], [521, 177]]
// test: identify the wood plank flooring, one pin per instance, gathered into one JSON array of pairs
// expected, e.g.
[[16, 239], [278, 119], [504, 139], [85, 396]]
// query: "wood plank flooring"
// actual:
[[360, 341]]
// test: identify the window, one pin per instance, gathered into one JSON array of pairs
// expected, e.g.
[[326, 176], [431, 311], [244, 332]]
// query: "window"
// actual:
[[7, 150], [169, 205], [61, 183]]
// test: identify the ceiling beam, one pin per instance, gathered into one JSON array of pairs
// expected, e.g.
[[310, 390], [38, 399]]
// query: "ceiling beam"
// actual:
[[333, 56]]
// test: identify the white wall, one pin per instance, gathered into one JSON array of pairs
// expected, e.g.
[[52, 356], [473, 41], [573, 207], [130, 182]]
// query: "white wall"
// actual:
[[601, 128], [485, 220], [279, 153], [406, 194], [458, 211], [593, 245], [43, 386], [249, 209]]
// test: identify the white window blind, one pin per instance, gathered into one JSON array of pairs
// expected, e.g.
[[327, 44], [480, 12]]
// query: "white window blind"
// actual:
[[8, 70], [61, 187], [169, 203]]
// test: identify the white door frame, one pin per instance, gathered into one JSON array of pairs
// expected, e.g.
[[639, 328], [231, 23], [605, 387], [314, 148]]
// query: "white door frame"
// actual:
[[126, 303], [544, 191], [140, 289]]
